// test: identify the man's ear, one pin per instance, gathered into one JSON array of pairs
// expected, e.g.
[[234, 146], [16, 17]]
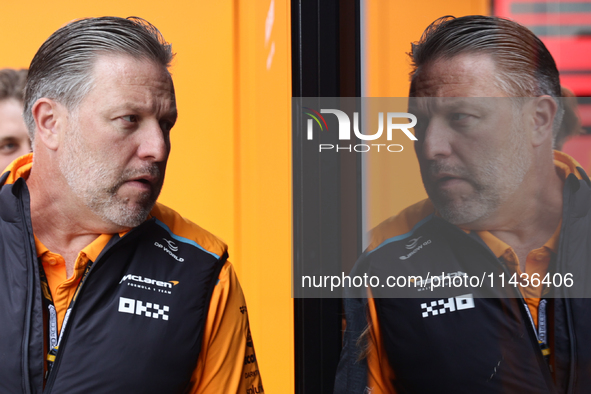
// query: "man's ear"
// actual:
[[544, 112], [49, 120]]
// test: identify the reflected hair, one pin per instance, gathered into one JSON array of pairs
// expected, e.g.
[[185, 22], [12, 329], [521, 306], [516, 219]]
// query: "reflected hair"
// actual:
[[526, 67], [62, 68]]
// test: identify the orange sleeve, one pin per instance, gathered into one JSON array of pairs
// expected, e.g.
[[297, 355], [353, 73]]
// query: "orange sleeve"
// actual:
[[227, 362], [379, 373]]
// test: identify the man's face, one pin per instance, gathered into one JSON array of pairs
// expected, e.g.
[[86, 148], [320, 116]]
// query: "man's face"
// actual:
[[14, 139], [117, 141], [472, 149]]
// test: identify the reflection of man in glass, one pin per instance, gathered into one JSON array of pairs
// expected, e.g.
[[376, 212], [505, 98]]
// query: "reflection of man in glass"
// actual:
[[14, 139], [497, 197]]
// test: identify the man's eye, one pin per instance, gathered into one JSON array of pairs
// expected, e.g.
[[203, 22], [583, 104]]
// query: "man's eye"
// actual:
[[8, 147], [129, 118], [458, 116]]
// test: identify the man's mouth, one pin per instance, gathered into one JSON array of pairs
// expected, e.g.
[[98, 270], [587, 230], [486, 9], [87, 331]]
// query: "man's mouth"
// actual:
[[446, 181], [145, 183], [443, 177], [147, 180]]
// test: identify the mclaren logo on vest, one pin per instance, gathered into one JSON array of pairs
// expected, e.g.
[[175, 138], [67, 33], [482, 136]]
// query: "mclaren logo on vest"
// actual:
[[144, 283], [452, 304], [141, 279], [137, 307]]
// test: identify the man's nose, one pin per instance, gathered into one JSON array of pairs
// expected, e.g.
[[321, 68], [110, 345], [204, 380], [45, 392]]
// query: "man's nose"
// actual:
[[435, 142], [155, 143]]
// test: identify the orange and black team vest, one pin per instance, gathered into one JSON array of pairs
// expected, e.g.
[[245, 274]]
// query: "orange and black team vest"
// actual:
[[136, 323], [475, 339]]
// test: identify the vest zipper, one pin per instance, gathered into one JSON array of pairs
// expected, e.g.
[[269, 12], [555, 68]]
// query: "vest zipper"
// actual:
[[525, 317], [104, 255], [30, 294], [571, 334], [566, 203], [53, 373]]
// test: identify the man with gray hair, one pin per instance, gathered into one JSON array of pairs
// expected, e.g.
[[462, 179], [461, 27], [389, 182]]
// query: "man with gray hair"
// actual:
[[102, 289], [14, 140], [502, 209]]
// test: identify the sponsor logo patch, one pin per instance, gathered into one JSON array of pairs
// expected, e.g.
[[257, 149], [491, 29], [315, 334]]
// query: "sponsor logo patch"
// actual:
[[171, 245], [255, 390], [249, 339], [413, 243], [170, 248], [416, 246], [147, 309], [452, 304], [251, 374], [249, 359]]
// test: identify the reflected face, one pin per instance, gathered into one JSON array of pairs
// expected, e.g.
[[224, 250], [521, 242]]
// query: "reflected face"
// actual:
[[116, 143], [14, 139], [472, 148]]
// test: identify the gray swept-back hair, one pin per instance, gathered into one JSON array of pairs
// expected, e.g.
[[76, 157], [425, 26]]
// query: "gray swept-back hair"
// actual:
[[12, 83], [525, 66], [62, 67]]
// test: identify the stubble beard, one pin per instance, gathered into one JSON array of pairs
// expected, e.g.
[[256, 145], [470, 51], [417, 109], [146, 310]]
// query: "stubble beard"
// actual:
[[91, 180], [493, 182]]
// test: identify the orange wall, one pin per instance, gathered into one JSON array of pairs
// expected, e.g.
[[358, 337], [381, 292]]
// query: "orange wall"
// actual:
[[263, 182], [393, 179], [230, 166]]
